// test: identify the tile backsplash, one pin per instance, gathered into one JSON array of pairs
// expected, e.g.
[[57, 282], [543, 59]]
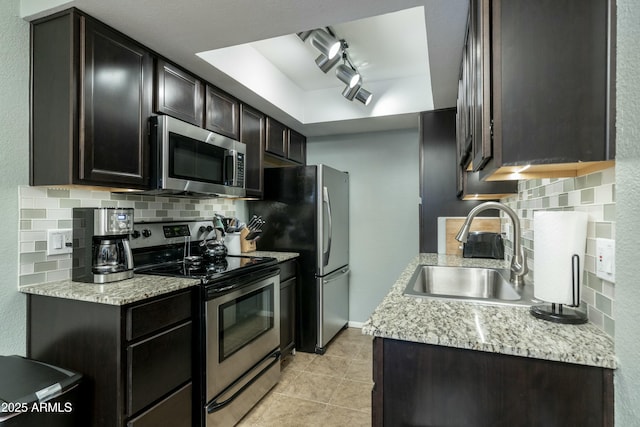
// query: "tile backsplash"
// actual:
[[43, 208], [593, 194]]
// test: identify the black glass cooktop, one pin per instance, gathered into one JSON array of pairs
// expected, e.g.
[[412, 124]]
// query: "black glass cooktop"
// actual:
[[208, 271]]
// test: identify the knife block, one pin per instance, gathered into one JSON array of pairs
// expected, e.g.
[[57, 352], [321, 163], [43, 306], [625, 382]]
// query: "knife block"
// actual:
[[246, 245]]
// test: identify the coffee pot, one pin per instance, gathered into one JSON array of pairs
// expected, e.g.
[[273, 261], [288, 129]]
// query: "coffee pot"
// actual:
[[101, 250]]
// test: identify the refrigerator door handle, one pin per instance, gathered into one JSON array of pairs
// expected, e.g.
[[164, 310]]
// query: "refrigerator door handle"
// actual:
[[327, 201], [336, 276]]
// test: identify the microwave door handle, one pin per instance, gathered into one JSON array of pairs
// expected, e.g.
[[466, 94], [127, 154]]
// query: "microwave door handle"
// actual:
[[231, 168]]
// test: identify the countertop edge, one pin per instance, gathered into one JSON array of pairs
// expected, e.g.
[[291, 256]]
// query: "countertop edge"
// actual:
[[139, 288]]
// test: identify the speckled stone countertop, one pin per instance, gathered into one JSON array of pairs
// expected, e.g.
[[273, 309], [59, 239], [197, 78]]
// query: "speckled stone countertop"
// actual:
[[483, 327], [138, 288], [280, 256]]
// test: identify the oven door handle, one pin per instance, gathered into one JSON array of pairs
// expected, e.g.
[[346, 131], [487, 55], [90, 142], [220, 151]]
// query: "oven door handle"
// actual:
[[218, 404]]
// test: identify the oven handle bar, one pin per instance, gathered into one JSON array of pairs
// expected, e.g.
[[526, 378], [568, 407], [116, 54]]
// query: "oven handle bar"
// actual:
[[217, 405], [240, 281]]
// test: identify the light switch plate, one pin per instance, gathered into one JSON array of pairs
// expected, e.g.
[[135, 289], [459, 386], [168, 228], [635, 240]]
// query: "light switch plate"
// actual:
[[59, 241], [606, 259]]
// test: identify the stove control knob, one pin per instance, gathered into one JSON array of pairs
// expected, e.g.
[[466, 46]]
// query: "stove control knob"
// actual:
[[202, 229], [209, 228], [146, 232], [135, 234]]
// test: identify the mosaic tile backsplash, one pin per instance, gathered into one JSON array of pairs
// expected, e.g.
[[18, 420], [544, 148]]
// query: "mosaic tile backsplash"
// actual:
[[46, 208], [42, 209], [593, 194]]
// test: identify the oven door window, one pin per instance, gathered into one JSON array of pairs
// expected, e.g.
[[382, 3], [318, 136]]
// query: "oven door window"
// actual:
[[244, 319], [195, 160]]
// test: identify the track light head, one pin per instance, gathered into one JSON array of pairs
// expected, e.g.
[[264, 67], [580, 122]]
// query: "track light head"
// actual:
[[347, 75], [364, 96], [325, 64], [328, 45], [350, 92]]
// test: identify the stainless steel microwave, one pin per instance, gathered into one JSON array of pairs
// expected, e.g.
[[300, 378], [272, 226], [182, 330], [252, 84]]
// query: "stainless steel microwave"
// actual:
[[189, 161]]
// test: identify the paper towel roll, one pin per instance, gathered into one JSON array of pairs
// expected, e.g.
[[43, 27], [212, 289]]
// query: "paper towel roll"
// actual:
[[557, 236]]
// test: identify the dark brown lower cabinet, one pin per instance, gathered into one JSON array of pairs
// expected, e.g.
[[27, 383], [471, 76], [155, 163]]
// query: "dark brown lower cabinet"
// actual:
[[136, 360], [287, 306], [427, 385]]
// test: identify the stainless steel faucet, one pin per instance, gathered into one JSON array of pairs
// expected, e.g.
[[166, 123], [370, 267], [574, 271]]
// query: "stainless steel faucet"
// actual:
[[519, 260]]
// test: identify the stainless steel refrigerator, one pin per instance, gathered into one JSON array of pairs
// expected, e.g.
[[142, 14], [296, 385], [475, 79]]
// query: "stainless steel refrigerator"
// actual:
[[306, 210]]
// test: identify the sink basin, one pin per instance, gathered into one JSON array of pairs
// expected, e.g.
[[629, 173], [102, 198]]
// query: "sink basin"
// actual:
[[484, 285]]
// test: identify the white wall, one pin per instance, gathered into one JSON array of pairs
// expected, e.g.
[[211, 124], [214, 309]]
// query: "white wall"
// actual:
[[383, 216], [14, 168], [627, 308]]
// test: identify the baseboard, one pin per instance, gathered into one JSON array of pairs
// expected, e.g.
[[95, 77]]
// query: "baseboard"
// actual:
[[353, 324]]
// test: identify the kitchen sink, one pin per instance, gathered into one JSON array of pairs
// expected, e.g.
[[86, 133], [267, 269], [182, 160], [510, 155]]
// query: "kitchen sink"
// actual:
[[482, 285]]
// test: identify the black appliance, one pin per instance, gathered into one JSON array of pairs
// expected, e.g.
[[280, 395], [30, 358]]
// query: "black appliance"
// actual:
[[483, 244], [238, 319], [101, 250], [307, 209]]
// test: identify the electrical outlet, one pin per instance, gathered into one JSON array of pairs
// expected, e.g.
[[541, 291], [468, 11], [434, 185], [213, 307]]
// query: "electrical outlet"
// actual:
[[606, 259], [59, 241]]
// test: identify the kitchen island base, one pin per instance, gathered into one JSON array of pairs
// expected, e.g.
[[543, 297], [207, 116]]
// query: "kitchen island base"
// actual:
[[428, 385]]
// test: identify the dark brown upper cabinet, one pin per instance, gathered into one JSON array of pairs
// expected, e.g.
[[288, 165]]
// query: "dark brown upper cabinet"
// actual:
[[543, 92], [277, 137], [468, 183], [472, 188], [222, 113], [297, 147], [178, 93], [284, 146], [464, 103], [479, 61], [252, 133], [91, 99]]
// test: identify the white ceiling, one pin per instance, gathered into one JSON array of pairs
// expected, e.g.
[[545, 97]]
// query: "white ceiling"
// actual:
[[408, 52]]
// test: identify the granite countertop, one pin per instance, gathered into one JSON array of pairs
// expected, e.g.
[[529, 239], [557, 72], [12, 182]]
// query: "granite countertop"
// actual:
[[483, 327], [138, 288], [280, 256]]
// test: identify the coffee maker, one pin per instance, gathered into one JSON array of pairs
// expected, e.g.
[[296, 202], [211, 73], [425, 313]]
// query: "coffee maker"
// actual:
[[101, 250]]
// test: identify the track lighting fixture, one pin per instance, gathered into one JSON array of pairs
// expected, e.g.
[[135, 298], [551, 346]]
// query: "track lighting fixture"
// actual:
[[325, 64], [347, 75], [350, 92], [364, 96], [328, 45], [332, 50], [304, 35]]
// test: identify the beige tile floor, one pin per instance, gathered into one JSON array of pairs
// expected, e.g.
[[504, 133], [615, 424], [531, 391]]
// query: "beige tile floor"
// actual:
[[329, 390]]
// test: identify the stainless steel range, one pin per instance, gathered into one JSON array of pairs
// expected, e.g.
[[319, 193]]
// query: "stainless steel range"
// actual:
[[238, 328]]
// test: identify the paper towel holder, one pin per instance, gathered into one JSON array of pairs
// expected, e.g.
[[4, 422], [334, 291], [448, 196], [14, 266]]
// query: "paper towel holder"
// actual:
[[558, 313]]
